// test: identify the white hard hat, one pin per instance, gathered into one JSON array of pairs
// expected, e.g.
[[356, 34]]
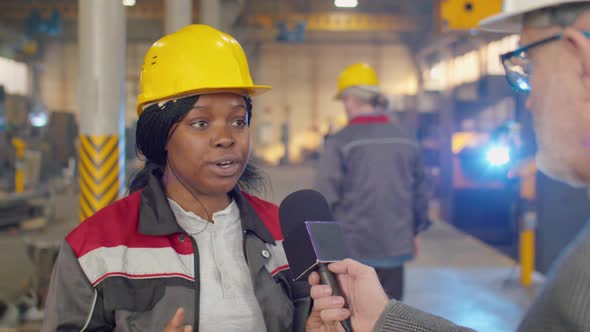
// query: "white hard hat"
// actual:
[[510, 20]]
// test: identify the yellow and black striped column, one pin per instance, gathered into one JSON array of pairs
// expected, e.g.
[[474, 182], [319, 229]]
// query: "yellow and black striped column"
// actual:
[[100, 168], [101, 103]]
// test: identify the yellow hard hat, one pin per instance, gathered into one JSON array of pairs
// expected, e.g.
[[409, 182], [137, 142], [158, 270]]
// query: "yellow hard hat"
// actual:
[[359, 74], [196, 59]]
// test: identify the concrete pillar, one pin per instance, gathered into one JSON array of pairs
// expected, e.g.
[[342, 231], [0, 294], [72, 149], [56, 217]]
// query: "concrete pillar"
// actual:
[[315, 87], [102, 42], [447, 128], [178, 13], [419, 89], [210, 13]]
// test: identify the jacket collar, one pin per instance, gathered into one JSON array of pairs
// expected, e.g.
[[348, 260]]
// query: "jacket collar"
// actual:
[[157, 219], [370, 119], [251, 221]]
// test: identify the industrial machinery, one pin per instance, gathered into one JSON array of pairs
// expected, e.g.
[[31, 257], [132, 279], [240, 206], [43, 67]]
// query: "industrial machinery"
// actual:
[[484, 189]]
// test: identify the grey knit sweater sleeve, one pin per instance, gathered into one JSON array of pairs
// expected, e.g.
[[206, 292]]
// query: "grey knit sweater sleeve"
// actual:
[[398, 317], [562, 305], [564, 302]]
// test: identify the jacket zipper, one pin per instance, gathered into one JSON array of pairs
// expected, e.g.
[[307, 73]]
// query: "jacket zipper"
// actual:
[[197, 283], [244, 239]]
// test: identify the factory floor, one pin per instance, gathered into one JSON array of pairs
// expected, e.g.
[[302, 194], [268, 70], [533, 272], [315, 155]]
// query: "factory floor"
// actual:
[[455, 276]]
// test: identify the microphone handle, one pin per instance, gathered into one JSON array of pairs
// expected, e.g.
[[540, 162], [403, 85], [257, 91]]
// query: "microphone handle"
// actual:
[[328, 278]]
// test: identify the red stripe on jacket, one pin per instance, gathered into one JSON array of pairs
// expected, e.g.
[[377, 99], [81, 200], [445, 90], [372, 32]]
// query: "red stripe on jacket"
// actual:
[[117, 225], [370, 119]]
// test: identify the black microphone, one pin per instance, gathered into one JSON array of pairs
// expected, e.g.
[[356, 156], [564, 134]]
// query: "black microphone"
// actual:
[[312, 239]]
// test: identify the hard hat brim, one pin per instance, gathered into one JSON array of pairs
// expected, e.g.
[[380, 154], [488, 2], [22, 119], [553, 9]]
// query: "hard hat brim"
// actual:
[[511, 22], [253, 90], [504, 23]]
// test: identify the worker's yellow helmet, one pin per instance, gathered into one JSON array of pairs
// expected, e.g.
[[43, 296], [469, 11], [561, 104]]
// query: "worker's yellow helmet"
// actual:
[[196, 59], [359, 74]]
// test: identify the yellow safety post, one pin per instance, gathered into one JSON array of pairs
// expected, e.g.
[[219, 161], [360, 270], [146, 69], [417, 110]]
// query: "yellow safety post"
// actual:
[[19, 178], [527, 249], [527, 174]]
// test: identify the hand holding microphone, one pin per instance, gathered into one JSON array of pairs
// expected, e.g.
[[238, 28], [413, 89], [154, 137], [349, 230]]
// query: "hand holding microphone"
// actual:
[[342, 291], [312, 240], [365, 296]]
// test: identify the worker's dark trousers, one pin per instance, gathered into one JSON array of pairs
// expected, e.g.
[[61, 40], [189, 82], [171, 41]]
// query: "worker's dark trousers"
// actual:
[[392, 280]]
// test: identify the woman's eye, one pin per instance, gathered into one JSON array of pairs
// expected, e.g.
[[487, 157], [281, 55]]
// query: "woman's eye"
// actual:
[[200, 124], [239, 123]]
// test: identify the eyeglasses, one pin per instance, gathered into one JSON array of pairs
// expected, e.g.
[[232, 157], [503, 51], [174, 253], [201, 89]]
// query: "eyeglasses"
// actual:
[[518, 66]]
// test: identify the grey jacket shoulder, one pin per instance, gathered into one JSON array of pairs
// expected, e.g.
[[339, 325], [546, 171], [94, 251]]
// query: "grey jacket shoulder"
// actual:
[[360, 132], [398, 317]]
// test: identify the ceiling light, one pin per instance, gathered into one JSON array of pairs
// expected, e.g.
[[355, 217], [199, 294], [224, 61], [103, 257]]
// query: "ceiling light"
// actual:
[[346, 3], [129, 3]]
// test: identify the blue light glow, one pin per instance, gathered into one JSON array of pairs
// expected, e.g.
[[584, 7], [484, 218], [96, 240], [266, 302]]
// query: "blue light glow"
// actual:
[[39, 115], [498, 156], [524, 86]]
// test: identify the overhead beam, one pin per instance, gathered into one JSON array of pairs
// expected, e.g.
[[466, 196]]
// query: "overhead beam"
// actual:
[[337, 21], [69, 10]]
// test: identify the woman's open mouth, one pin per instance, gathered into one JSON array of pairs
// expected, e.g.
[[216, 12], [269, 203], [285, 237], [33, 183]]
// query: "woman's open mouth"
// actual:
[[226, 168]]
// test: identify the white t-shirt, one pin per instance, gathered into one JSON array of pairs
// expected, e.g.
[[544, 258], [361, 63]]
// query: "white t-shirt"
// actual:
[[227, 300]]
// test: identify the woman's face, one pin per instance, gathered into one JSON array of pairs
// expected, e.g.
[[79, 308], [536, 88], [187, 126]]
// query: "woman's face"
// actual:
[[209, 148]]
